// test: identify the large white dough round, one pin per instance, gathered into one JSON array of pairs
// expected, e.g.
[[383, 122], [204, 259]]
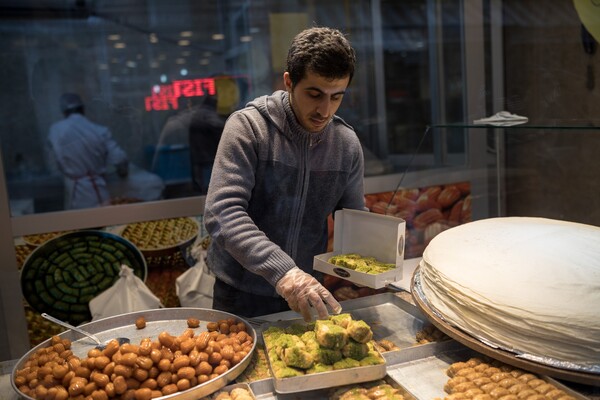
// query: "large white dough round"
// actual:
[[529, 285]]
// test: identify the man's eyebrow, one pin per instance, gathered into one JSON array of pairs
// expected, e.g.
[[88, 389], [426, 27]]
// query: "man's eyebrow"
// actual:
[[320, 91]]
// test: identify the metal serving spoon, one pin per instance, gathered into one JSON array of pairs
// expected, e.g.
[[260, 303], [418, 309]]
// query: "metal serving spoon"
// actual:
[[99, 344]]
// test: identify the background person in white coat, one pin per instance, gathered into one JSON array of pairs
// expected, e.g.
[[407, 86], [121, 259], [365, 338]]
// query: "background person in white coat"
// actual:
[[83, 150]]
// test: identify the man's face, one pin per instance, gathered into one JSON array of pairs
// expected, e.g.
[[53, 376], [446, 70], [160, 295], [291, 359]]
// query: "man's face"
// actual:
[[315, 99]]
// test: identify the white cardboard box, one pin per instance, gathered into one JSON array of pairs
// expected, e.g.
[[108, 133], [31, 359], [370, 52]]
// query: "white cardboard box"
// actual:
[[368, 234]]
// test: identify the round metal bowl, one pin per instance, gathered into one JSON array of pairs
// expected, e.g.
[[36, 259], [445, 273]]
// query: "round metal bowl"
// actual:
[[171, 320], [61, 276]]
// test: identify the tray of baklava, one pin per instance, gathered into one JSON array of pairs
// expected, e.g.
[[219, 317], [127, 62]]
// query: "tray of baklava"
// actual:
[[397, 325], [348, 348]]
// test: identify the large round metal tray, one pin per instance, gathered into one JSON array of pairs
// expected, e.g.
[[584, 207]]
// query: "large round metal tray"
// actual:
[[161, 248], [172, 320], [498, 354], [62, 275]]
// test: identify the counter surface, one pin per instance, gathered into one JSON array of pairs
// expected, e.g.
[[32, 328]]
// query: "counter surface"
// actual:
[[265, 386]]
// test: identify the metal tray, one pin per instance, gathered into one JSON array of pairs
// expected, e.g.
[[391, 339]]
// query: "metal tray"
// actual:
[[421, 375], [265, 392], [390, 318], [425, 377], [172, 320], [323, 379]]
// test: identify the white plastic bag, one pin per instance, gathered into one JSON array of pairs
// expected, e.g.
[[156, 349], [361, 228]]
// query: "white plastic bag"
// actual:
[[129, 293], [195, 286]]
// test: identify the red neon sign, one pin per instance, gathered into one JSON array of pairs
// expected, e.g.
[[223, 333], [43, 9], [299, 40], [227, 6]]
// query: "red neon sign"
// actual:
[[168, 95]]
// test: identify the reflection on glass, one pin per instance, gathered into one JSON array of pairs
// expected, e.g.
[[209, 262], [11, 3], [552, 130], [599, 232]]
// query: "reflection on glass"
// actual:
[[130, 74], [82, 151]]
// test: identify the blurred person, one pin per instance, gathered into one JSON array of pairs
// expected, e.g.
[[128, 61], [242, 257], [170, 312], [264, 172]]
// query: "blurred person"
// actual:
[[205, 128], [284, 163], [83, 150]]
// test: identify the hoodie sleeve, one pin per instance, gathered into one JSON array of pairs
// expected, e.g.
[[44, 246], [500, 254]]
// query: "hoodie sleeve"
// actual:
[[226, 217]]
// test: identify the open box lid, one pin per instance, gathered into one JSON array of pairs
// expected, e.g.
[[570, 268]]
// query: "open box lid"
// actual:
[[369, 234]]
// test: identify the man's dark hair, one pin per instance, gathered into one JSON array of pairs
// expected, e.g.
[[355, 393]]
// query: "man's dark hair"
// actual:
[[323, 51], [71, 103]]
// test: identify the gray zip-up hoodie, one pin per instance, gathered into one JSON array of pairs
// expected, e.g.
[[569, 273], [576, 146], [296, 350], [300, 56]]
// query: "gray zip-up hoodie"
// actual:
[[272, 187]]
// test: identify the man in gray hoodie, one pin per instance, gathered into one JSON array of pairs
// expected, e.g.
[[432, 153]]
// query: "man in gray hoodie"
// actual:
[[284, 163]]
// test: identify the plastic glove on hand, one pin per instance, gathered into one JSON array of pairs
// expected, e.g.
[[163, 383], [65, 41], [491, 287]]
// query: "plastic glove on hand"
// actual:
[[302, 290]]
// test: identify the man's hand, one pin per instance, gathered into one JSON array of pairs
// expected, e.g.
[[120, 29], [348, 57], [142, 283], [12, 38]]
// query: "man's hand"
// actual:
[[302, 290]]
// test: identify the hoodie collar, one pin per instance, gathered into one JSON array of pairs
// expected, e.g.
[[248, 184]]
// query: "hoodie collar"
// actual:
[[277, 108]]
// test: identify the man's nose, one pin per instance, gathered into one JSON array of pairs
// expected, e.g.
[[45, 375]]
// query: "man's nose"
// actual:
[[324, 107]]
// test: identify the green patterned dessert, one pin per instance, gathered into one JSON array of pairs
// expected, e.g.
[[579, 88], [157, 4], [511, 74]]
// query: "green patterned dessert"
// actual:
[[359, 263], [332, 344]]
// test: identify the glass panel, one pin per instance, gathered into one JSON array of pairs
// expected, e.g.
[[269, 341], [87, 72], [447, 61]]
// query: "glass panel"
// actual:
[[142, 69]]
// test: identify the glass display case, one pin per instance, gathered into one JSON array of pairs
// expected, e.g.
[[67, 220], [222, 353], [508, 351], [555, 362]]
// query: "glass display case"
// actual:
[[428, 69]]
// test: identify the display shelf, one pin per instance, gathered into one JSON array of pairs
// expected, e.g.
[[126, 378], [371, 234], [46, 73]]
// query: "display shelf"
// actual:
[[560, 125]]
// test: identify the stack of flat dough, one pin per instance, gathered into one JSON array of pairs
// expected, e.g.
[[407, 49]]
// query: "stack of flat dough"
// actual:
[[527, 285]]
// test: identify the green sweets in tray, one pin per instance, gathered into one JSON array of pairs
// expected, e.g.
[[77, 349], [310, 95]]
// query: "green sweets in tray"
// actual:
[[357, 262], [336, 343]]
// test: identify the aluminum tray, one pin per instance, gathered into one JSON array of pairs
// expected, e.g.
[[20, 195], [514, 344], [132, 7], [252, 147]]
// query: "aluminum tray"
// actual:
[[390, 318], [265, 392], [172, 320], [425, 377], [421, 375], [323, 379]]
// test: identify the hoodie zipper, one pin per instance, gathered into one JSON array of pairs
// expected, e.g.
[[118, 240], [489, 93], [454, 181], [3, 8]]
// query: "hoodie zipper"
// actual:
[[304, 165]]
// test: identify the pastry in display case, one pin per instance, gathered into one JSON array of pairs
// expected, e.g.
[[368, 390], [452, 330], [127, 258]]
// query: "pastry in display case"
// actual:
[[162, 241], [164, 357], [523, 288], [166, 246], [427, 211], [63, 274], [310, 356], [368, 249]]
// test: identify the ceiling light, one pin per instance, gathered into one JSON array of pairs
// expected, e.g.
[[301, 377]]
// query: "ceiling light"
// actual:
[[184, 42], [218, 36], [163, 78], [204, 61], [180, 61], [186, 34], [245, 39], [120, 45], [153, 38], [183, 72], [114, 37]]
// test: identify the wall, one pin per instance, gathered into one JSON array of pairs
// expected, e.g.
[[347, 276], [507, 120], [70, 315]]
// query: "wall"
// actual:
[[553, 172]]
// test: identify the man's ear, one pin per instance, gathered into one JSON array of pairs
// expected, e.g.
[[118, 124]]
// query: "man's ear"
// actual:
[[287, 81]]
